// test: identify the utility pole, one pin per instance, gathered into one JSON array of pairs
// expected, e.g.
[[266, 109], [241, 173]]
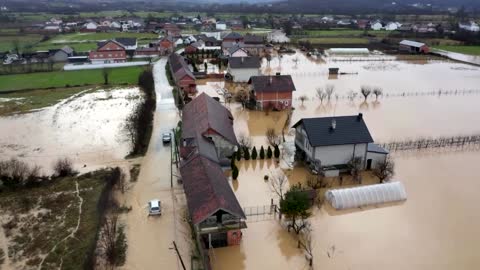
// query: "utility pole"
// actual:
[[179, 256]]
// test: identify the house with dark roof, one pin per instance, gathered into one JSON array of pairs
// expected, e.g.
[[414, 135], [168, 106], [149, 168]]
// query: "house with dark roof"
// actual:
[[236, 51], [207, 117], [213, 208], [230, 40], [332, 142], [254, 45], [181, 73], [109, 51], [61, 55], [272, 92], [242, 68]]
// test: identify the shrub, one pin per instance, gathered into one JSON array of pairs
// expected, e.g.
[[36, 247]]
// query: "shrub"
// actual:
[[239, 155], [254, 153], [63, 167], [265, 177], [232, 162], [276, 152], [269, 152], [262, 152], [246, 154], [235, 173]]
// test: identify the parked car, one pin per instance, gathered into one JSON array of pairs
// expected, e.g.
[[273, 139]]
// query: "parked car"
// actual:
[[154, 208], [166, 137]]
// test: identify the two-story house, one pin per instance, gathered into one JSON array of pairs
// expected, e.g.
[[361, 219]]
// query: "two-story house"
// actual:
[[108, 52], [242, 68], [272, 92]]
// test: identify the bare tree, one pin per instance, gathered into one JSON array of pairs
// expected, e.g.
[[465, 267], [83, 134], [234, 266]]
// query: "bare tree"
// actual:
[[355, 166], [351, 95], [106, 75], [306, 242], [384, 170], [278, 182], [303, 98], [273, 138], [244, 141], [329, 89], [377, 91], [321, 94], [112, 242], [242, 97], [366, 91]]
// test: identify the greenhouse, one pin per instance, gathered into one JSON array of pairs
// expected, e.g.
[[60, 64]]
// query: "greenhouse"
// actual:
[[349, 51], [367, 195]]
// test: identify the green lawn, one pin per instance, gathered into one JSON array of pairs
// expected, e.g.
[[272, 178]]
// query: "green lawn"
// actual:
[[128, 75], [7, 42], [341, 33], [337, 40], [473, 50]]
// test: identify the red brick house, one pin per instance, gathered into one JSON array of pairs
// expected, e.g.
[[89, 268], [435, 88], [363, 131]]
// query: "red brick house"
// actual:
[[272, 92], [166, 45], [108, 52], [183, 77]]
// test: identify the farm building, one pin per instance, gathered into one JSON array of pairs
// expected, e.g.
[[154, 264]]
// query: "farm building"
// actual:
[[183, 77], [242, 68], [334, 141], [61, 55], [108, 52], [413, 47], [207, 117], [272, 92]]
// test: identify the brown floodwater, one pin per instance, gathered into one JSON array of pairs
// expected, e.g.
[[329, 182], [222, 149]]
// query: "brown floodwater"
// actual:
[[436, 228], [87, 128]]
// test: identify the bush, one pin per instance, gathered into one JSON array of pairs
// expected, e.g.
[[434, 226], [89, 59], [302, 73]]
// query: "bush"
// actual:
[[63, 167], [262, 153], [246, 154], [269, 152], [239, 155], [235, 173], [276, 152], [265, 177], [232, 163], [254, 153]]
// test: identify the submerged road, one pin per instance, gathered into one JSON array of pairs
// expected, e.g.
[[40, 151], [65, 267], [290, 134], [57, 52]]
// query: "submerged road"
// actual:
[[150, 238]]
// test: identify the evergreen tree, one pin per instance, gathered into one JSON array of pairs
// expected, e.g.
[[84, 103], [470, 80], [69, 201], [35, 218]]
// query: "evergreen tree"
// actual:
[[235, 173], [254, 153], [276, 152], [262, 153], [269, 152], [246, 154], [239, 155]]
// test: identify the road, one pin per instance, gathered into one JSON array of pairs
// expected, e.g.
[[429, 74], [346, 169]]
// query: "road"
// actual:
[[150, 238]]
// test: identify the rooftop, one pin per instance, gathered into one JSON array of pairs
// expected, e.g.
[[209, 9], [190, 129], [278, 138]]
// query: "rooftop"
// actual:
[[412, 43], [244, 62], [278, 83], [348, 130]]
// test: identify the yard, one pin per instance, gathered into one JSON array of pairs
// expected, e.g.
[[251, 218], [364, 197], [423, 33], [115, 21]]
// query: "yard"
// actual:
[[472, 50], [335, 40], [54, 225], [118, 76]]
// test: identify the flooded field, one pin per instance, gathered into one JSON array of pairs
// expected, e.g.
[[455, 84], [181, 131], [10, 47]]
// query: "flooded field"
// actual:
[[87, 128], [434, 229]]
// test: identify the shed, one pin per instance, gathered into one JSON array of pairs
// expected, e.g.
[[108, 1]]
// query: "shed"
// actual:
[[413, 47]]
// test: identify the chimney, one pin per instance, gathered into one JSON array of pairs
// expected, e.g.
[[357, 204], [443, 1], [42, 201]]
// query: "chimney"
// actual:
[[360, 117], [334, 124], [270, 80]]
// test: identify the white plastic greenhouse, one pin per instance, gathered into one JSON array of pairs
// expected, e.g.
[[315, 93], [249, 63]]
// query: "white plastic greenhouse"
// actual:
[[348, 51], [367, 195]]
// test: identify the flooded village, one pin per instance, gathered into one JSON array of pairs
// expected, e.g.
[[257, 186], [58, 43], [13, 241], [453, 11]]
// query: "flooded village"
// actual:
[[236, 149]]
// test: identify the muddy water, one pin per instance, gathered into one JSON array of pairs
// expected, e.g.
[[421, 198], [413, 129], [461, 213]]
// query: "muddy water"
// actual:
[[86, 128], [436, 228], [150, 238]]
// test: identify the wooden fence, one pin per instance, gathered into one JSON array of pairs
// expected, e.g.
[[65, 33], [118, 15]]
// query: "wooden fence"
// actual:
[[456, 142]]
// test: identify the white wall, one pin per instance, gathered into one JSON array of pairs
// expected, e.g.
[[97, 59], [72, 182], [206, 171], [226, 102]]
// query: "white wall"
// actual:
[[239, 53], [376, 158], [340, 154], [243, 74]]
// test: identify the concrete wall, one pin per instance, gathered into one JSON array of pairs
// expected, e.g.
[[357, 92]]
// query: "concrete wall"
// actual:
[[243, 74]]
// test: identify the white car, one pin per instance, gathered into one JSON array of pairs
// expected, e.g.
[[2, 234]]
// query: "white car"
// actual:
[[166, 137], [154, 208]]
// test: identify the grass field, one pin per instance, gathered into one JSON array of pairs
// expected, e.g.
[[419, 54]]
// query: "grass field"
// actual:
[[24, 101], [342, 33], [128, 75], [7, 42], [38, 219], [336, 40], [472, 50]]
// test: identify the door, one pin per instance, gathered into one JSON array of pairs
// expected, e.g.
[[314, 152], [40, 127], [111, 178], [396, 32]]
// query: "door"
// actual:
[[369, 164]]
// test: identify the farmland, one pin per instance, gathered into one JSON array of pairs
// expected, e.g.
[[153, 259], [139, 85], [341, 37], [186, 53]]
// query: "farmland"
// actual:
[[472, 50], [117, 76]]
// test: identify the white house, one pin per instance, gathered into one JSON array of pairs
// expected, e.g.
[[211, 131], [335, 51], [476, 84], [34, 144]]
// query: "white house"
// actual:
[[392, 26], [115, 25], [242, 68], [470, 26], [237, 51], [91, 26], [334, 141], [221, 26], [376, 26]]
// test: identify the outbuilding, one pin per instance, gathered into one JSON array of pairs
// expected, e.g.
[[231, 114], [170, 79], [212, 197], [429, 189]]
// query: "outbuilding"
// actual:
[[413, 47]]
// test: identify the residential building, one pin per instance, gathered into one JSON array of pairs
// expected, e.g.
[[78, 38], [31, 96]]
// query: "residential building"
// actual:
[[413, 47], [61, 55], [254, 45], [221, 26], [130, 44], [231, 39], [90, 27], [392, 26], [236, 51], [332, 142], [469, 26], [376, 26], [182, 75], [272, 92], [108, 52], [242, 68]]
